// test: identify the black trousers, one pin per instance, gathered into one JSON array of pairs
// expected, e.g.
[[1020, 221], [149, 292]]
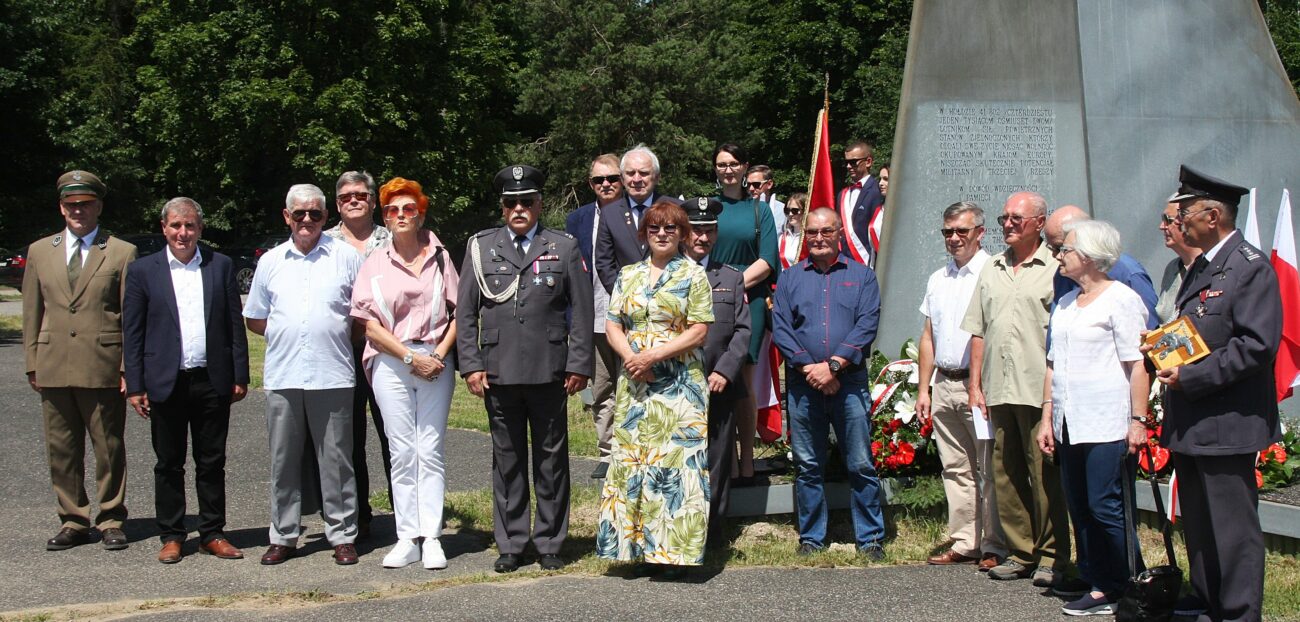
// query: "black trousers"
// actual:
[[194, 409], [512, 411], [1225, 545], [722, 450]]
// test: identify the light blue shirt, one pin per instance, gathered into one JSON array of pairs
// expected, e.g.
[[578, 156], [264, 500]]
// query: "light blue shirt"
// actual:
[[306, 300]]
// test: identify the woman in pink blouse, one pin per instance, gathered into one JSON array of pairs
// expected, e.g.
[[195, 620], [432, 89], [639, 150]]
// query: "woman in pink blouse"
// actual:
[[405, 294]]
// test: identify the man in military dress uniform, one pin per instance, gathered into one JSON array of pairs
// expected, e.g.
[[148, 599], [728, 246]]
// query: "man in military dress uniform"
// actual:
[[72, 333], [524, 342], [725, 350], [1221, 411]]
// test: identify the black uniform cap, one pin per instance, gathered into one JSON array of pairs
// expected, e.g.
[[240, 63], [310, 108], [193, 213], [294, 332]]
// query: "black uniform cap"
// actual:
[[519, 179], [1196, 185], [702, 210]]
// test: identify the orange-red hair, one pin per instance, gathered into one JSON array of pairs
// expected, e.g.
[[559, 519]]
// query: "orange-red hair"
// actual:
[[397, 186]]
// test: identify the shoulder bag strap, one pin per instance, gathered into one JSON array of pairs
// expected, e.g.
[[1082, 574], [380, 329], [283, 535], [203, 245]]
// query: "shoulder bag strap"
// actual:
[[1166, 528]]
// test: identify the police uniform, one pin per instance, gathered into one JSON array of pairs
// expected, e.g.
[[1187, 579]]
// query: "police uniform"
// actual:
[[513, 323], [1224, 412], [726, 348], [72, 334]]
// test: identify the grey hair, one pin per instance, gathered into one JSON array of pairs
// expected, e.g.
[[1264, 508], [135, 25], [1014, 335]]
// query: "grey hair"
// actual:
[[643, 150], [964, 207], [304, 193], [182, 203], [1097, 240], [356, 177], [1039, 203]]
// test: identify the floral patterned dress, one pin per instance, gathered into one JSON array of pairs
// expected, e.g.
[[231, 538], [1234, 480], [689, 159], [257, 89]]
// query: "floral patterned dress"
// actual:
[[655, 503]]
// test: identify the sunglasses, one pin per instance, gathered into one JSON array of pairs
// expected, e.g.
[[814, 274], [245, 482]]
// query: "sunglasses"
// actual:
[[1015, 221], [316, 215], [512, 203], [1168, 220], [72, 205], [653, 229], [408, 210], [853, 162], [958, 231], [828, 232], [360, 197], [755, 185], [793, 211], [597, 180]]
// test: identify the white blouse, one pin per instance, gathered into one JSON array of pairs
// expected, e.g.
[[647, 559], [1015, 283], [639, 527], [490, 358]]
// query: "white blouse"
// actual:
[[1089, 346]]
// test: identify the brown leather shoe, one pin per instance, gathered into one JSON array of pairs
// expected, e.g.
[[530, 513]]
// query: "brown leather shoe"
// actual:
[[113, 539], [948, 558], [989, 561], [67, 538], [222, 548], [345, 554], [171, 552], [276, 554]]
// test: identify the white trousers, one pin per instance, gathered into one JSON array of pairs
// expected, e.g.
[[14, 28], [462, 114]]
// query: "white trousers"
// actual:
[[415, 421]]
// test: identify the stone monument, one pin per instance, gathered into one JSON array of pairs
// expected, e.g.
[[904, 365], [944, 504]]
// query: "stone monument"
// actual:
[[1088, 102]]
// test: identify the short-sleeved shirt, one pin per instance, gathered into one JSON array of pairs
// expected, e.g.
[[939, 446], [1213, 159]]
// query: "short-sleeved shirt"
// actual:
[[947, 296], [1090, 391], [1010, 311], [413, 308], [306, 300], [379, 237], [738, 246]]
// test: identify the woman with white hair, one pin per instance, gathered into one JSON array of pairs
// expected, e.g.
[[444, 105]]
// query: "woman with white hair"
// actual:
[[1094, 401]]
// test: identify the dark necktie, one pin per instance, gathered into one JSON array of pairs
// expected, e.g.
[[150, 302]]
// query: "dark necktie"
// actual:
[[637, 213], [74, 264], [519, 244]]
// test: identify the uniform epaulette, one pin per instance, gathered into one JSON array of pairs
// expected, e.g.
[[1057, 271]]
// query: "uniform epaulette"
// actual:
[[486, 232], [1249, 252], [726, 267], [559, 232]]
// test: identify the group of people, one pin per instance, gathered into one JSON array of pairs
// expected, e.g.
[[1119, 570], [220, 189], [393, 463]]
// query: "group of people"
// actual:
[[1042, 340]]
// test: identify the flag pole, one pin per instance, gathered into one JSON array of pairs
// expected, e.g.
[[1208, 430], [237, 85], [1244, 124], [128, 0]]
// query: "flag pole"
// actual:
[[817, 141]]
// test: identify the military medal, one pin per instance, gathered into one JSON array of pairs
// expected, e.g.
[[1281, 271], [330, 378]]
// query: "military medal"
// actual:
[[550, 281], [1200, 311], [537, 280]]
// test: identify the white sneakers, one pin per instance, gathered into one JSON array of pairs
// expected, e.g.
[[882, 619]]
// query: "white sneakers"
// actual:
[[433, 557], [404, 553], [407, 552]]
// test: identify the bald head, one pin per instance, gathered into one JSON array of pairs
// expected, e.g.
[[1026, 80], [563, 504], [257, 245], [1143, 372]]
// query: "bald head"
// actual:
[[824, 216], [1055, 229]]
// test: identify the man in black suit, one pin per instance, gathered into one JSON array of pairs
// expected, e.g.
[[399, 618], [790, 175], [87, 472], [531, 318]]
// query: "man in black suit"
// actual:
[[726, 348], [617, 244], [1221, 411], [861, 206], [186, 360], [607, 184]]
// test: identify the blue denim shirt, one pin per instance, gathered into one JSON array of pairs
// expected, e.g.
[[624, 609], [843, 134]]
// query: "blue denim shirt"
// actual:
[[816, 315]]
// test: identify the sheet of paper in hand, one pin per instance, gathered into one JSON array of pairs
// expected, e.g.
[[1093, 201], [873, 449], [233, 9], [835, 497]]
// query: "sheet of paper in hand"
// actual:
[[1176, 343]]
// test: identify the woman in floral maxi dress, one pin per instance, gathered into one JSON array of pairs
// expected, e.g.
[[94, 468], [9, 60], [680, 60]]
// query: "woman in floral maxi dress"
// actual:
[[655, 504]]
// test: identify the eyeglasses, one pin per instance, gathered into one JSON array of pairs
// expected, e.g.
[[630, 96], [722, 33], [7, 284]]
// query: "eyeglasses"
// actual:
[[653, 229], [316, 215], [728, 166], [512, 203], [793, 211], [957, 231], [1015, 221], [853, 162], [348, 197], [1060, 250], [828, 232], [755, 185], [408, 210], [1183, 214], [1167, 220], [597, 180]]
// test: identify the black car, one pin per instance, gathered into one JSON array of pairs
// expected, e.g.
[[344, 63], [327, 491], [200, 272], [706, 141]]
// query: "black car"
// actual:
[[12, 266], [145, 243], [246, 260]]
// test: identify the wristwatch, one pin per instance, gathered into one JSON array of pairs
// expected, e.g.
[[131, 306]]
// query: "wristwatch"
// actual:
[[835, 366], [409, 357]]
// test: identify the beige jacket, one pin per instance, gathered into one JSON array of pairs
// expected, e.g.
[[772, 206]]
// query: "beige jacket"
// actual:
[[73, 336]]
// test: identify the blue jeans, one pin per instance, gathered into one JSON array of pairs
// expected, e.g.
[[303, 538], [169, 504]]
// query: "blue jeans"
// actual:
[[811, 414], [1091, 476]]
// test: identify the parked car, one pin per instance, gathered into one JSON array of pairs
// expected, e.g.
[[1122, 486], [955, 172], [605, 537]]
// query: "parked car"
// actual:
[[145, 243], [12, 266], [246, 260]]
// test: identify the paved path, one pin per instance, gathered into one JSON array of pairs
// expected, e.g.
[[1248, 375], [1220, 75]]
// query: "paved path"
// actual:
[[115, 584]]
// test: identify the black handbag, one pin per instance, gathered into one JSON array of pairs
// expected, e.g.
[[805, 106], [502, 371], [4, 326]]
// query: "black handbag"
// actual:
[[1150, 595]]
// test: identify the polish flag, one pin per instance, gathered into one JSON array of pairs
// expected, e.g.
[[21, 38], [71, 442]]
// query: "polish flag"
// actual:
[[1286, 368], [1251, 230]]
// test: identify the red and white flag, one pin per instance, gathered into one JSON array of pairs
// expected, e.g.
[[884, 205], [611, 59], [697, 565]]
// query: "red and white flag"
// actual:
[[1286, 368]]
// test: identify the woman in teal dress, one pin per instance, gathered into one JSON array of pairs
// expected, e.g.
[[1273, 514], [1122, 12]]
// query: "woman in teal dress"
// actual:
[[747, 241], [654, 508]]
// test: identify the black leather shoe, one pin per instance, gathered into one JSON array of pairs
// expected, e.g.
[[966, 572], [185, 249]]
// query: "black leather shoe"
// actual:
[[551, 562], [602, 469], [508, 562], [673, 573], [67, 538], [114, 539]]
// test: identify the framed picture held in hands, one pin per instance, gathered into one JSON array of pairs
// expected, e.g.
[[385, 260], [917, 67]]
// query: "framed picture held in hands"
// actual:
[[1176, 343]]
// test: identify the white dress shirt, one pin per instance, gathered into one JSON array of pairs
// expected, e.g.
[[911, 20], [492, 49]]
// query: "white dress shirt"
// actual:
[[70, 244], [947, 295], [306, 301], [187, 282], [601, 297], [1090, 391]]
